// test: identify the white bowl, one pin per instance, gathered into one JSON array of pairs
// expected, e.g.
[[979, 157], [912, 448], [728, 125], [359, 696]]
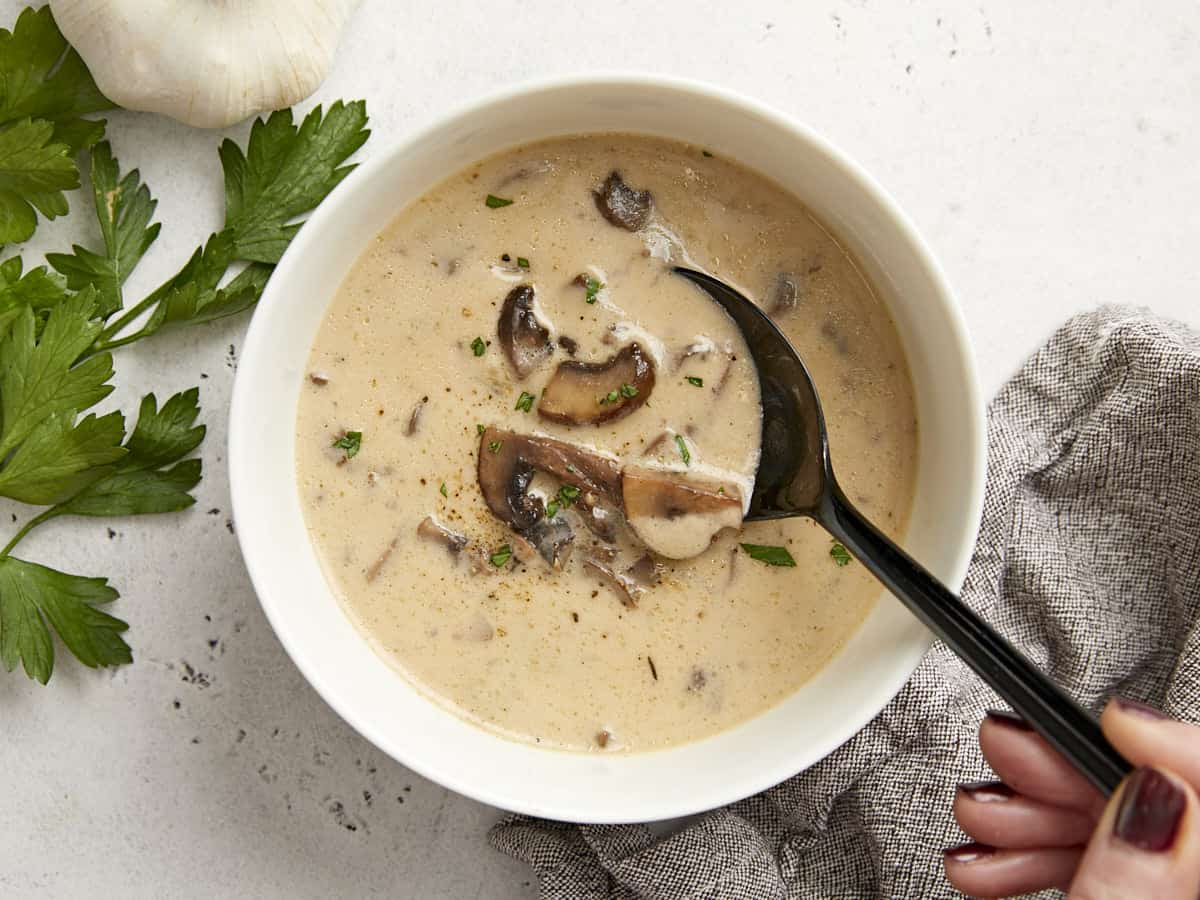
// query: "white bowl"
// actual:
[[593, 787]]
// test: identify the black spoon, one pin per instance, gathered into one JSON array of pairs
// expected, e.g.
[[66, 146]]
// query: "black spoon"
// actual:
[[795, 478]]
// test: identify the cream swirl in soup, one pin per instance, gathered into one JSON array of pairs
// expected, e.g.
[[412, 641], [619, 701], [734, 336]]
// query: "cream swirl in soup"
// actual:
[[524, 447]]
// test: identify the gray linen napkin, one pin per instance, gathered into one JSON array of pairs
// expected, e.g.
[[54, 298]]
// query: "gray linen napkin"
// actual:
[[1088, 559]]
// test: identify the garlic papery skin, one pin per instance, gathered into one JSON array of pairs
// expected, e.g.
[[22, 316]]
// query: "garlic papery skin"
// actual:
[[209, 63]]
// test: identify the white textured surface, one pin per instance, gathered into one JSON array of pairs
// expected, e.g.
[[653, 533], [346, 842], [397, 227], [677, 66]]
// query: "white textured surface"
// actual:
[[1046, 152]]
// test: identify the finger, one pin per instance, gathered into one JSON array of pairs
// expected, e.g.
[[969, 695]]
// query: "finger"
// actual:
[[1147, 843], [1146, 737], [1030, 766], [993, 813], [983, 871]]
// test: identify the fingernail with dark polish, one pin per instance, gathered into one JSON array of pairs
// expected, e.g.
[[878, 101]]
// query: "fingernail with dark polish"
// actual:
[[1138, 708], [969, 853], [1151, 809], [987, 791], [1011, 719]]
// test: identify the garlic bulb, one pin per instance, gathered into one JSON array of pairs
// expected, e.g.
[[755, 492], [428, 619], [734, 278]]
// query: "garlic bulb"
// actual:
[[208, 63]]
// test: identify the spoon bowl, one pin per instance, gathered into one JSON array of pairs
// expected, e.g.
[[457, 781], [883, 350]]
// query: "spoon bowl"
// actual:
[[795, 478]]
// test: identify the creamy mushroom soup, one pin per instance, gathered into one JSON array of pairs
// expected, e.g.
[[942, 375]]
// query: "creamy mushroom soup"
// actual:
[[524, 447]]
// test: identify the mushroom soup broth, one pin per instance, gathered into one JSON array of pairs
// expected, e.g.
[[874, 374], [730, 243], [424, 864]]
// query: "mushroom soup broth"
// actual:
[[524, 447]]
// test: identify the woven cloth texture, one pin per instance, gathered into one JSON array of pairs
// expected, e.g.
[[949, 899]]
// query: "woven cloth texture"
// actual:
[[1088, 559]]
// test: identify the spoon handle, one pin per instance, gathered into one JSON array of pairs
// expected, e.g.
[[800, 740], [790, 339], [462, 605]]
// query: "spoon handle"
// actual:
[[1052, 713]]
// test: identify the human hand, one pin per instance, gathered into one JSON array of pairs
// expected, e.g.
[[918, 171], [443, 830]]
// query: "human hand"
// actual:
[[1043, 825]]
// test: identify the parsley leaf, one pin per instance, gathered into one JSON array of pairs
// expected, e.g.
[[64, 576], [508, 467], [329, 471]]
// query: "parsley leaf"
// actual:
[[284, 172], [34, 171], [494, 202], [592, 286], [478, 347], [351, 442], [443, 491], [695, 381], [124, 208], [41, 76], [840, 554], [38, 379], [772, 556], [628, 391], [501, 556], [60, 457], [494, 446], [684, 453], [525, 401], [142, 483], [37, 289], [31, 595]]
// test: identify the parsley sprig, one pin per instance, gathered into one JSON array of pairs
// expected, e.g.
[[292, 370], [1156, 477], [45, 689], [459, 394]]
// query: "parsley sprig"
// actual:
[[58, 326]]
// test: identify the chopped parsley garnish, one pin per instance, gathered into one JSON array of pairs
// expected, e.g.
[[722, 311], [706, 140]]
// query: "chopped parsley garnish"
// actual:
[[628, 391], [478, 347], [351, 442], [610, 397], [501, 556], [522, 262], [495, 446], [567, 494], [772, 556], [479, 429], [442, 490], [840, 554], [525, 401], [494, 202], [684, 453], [593, 286], [694, 381]]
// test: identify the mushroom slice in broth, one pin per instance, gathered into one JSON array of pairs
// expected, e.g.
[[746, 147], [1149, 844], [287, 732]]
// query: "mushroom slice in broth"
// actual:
[[523, 337], [583, 393], [675, 514]]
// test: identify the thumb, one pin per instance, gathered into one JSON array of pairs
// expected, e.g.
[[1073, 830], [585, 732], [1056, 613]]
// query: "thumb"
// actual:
[[1147, 843]]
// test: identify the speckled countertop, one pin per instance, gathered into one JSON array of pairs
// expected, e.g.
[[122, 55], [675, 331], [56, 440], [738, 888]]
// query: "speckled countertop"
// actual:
[[1047, 152]]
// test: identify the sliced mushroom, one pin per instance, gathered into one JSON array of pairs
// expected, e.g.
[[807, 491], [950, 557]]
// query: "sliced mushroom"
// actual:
[[381, 560], [525, 340], [581, 393], [414, 418], [432, 530], [622, 205], [507, 461], [784, 295], [553, 539], [646, 571], [600, 518], [701, 346], [677, 515], [628, 589]]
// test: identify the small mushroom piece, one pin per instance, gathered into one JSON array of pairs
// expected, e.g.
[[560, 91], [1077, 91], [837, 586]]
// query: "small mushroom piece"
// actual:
[[623, 206], [628, 590], [646, 571], [582, 393], [432, 530], [677, 515], [524, 339], [414, 418], [507, 462], [783, 296], [553, 539]]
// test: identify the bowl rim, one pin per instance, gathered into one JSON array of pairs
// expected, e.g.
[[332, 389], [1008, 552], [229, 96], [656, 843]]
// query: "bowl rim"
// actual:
[[240, 441]]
